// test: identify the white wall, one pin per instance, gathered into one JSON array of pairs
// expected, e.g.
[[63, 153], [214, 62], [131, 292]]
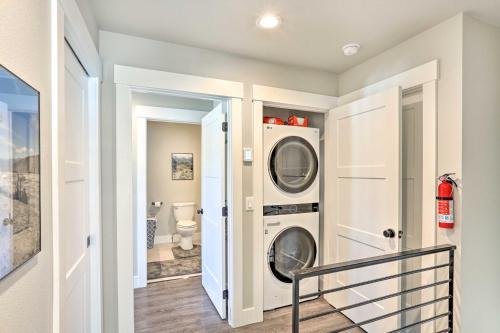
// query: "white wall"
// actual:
[[481, 178], [26, 294], [90, 20], [443, 42], [132, 51], [163, 140]]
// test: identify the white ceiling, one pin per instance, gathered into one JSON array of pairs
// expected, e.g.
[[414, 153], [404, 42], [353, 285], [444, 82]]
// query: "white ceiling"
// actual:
[[312, 33]]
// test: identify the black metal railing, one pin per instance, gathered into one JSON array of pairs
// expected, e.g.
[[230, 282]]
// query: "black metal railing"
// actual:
[[299, 275]]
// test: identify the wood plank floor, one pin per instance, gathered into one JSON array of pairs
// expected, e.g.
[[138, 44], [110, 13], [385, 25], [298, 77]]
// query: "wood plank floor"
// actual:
[[183, 306]]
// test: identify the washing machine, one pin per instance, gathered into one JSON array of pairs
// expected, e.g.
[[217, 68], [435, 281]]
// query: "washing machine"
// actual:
[[290, 243], [291, 164]]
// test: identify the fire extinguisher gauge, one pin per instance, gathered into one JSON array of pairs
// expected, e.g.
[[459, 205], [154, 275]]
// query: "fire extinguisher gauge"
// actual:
[[447, 178]]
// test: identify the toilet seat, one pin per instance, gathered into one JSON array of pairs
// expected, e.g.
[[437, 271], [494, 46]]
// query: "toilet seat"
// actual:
[[186, 224]]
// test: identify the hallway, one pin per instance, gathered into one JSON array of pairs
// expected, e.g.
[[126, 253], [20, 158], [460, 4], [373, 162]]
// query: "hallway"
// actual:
[[183, 306]]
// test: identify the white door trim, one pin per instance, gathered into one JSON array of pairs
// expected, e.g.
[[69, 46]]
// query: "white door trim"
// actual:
[[425, 76], [153, 79], [140, 127], [236, 315], [75, 31], [127, 80], [416, 76], [67, 24], [171, 115]]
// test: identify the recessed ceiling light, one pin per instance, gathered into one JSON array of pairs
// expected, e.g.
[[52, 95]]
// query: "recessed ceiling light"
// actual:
[[350, 49], [268, 21]]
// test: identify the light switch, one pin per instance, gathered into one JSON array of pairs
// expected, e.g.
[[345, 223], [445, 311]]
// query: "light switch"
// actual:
[[247, 154], [249, 204]]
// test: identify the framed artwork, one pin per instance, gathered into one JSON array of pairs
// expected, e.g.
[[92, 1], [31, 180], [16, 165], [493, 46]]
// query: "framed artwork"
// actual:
[[182, 166], [20, 226]]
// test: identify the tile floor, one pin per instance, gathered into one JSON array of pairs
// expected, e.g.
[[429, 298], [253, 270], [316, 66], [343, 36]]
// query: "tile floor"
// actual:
[[161, 252]]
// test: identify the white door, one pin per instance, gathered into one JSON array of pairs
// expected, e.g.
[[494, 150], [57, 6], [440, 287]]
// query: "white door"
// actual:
[[363, 162], [74, 204], [213, 199]]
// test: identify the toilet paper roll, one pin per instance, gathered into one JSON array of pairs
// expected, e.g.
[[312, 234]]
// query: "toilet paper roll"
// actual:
[[157, 204]]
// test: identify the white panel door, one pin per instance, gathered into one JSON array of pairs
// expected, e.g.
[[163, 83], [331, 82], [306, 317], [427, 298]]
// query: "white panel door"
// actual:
[[213, 198], [363, 162], [74, 204]]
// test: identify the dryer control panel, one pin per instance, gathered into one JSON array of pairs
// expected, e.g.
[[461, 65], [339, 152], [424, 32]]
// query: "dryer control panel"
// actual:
[[291, 209]]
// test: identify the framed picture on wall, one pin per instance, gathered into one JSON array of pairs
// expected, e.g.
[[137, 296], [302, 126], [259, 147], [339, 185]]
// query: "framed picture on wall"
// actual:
[[20, 226], [182, 166]]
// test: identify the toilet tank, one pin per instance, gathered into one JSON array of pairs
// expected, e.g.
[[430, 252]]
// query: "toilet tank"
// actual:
[[183, 210]]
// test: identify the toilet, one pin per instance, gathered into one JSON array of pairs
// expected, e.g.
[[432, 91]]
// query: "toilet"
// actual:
[[186, 226]]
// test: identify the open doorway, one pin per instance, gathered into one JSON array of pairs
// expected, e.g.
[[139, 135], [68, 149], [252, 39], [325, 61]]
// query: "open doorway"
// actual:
[[224, 264], [180, 199], [174, 200]]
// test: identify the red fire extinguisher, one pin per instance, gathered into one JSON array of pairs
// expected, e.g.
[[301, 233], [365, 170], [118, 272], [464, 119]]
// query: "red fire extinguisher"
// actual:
[[445, 210]]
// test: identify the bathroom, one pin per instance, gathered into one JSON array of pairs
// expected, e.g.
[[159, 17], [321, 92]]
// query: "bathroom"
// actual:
[[173, 192], [167, 146]]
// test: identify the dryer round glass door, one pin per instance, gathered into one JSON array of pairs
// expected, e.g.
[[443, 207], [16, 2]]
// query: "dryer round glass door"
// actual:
[[293, 164], [294, 248]]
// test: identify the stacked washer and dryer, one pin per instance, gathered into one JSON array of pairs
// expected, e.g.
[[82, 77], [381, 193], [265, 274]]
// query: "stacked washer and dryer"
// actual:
[[291, 210]]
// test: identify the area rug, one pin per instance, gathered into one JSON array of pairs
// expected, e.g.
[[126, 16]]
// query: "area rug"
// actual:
[[180, 253], [185, 263]]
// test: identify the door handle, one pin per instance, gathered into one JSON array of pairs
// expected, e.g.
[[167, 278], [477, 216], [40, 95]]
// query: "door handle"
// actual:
[[200, 211], [389, 233]]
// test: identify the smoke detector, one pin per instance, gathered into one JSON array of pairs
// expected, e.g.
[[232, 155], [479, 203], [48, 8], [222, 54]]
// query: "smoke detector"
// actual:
[[350, 49]]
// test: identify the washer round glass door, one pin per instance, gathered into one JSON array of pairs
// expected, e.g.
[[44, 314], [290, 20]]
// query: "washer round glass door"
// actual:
[[293, 164], [294, 248]]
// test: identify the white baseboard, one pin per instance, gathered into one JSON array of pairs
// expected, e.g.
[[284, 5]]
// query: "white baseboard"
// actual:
[[174, 278], [138, 283], [163, 239], [175, 238]]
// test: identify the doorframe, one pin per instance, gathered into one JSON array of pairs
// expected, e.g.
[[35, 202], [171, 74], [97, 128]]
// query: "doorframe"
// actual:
[[424, 76], [132, 79], [141, 115], [68, 26], [280, 98]]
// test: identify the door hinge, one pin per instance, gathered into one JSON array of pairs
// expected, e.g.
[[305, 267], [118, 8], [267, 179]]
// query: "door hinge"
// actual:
[[225, 294], [224, 126], [88, 241], [224, 211]]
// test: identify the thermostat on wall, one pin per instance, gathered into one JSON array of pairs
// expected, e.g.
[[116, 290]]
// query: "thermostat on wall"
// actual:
[[247, 154]]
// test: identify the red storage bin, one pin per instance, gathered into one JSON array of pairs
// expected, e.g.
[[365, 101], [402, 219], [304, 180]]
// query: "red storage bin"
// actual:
[[273, 120], [298, 121]]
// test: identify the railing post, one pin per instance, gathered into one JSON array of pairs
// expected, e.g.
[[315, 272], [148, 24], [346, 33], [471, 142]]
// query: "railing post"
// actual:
[[295, 304], [450, 289]]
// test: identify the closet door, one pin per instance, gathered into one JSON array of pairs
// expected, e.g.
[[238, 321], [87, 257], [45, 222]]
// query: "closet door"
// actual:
[[363, 196]]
